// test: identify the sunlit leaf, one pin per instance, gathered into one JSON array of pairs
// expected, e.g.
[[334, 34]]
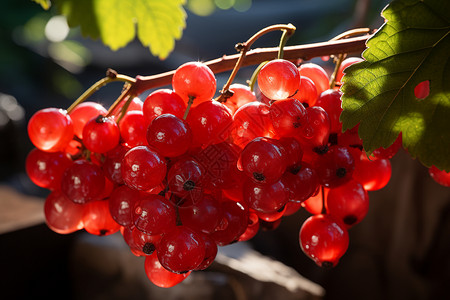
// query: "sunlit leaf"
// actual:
[[411, 47], [157, 24], [44, 3]]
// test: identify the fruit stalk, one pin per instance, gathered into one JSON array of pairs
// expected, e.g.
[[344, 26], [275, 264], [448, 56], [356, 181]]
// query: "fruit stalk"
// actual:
[[256, 56], [243, 48]]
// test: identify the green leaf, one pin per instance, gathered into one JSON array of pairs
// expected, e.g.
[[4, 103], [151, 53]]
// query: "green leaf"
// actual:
[[44, 3], [412, 46], [115, 22]]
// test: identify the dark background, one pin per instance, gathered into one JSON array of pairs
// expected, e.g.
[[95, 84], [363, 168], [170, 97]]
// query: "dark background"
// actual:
[[400, 251]]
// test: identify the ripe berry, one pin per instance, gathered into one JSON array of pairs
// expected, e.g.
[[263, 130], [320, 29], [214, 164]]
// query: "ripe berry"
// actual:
[[250, 121], [143, 168], [266, 198], [263, 161], [324, 239], [288, 117], [62, 215], [133, 128], [83, 182], [169, 135], [335, 167], [97, 219], [185, 177], [84, 112], [45, 169], [101, 134], [210, 123], [194, 80], [181, 250], [317, 74], [440, 176], [50, 129], [241, 95], [278, 79], [330, 101], [154, 214], [159, 275], [163, 101], [307, 92], [348, 202]]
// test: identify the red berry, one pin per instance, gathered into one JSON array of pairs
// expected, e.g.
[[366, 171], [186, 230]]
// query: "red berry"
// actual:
[[122, 202], [278, 79], [181, 250], [50, 129], [154, 214], [288, 117], [317, 74], [101, 134], [83, 182], [163, 101], [324, 239], [143, 168], [241, 95], [266, 198], [97, 219], [307, 92], [330, 101], [250, 121], [440, 176], [133, 128], [263, 161], [169, 135], [84, 112], [372, 174], [194, 80], [45, 169], [348, 202], [159, 275], [62, 215], [210, 123], [335, 167]]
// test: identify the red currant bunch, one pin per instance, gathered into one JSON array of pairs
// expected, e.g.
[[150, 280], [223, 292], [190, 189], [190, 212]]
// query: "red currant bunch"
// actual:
[[181, 174]]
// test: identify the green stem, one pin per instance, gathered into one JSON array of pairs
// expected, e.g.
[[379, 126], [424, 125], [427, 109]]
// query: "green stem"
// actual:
[[190, 101], [96, 86], [252, 80], [124, 109], [287, 33], [339, 60], [123, 95]]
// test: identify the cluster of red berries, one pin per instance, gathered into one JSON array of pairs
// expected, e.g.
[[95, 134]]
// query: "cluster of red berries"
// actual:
[[180, 174]]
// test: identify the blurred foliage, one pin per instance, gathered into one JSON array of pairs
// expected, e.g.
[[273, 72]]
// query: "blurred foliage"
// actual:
[[30, 62], [208, 7]]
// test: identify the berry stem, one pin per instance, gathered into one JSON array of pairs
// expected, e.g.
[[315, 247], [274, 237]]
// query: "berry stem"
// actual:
[[256, 56], [186, 112], [96, 86], [338, 62], [252, 81], [123, 95], [287, 33], [243, 48], [338, 45], [342, 56]]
